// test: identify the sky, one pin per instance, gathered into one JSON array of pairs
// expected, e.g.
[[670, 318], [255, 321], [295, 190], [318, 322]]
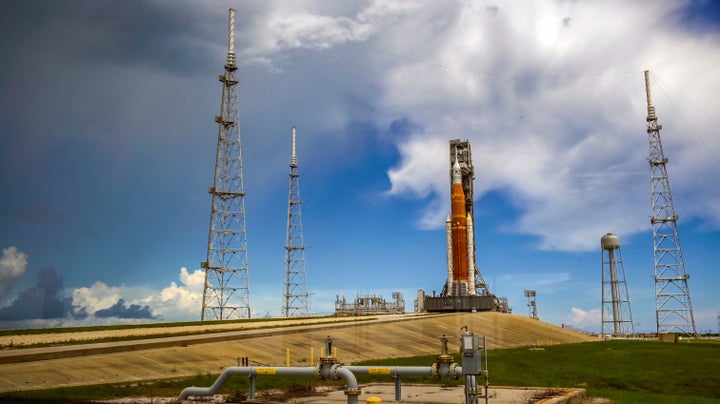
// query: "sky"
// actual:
[[107, 148]]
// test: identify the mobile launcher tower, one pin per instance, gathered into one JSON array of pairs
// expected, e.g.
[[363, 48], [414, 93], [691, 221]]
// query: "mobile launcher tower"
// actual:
[[465, 289]]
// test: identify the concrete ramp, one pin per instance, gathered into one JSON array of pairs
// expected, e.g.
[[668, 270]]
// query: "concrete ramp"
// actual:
[[387, 337]]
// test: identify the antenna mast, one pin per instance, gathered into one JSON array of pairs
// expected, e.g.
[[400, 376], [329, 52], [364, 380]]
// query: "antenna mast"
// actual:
[[673, 309], [227, 293], [295, 296]]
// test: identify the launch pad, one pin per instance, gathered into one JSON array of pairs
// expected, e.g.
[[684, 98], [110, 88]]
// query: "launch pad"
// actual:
[[435, 304], [465, 288]]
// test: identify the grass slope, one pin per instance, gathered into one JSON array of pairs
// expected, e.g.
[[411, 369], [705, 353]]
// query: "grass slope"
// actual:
[[624, 371]]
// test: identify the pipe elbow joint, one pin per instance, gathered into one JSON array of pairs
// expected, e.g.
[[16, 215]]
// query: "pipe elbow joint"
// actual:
[[338, 372]]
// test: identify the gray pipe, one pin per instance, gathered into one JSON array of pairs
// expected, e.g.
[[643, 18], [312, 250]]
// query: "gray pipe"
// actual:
[[444, 371], [250, 371], [393, 370], [352, 392]]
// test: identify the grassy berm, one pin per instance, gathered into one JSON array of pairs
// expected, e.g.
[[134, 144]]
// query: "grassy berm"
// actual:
[[623, 371]]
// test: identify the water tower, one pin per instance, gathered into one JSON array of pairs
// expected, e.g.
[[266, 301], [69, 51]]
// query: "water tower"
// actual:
[[616, 313]]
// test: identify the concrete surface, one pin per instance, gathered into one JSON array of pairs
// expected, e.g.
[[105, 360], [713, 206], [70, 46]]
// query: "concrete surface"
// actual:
[[389, 337], [411, 394]]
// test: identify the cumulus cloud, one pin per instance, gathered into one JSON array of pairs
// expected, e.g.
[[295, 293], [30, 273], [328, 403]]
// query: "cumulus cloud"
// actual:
[[181, 301], [44, 304], [12, 267], [554, 112], [292, 27], [96, 297], [42, 301], [121, 310], [550, 95], [585, 319]]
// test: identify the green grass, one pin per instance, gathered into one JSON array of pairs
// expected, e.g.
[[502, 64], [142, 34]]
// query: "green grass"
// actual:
[[624, 371], [237, 386]]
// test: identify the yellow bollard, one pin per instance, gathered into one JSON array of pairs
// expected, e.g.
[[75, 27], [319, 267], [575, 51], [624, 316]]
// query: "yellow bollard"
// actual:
[[322, 352], [312, 355], [373, 400], [287, 357], [335, 352]]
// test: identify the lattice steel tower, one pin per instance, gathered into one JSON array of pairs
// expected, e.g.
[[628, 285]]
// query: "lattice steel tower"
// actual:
[[615, 297], [532, 305], [295, 296], [673, 308], [227, 293]]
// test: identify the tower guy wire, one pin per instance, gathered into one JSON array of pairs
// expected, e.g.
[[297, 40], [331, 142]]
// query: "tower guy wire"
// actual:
[[295, 295], [673, 308], [226, 293]]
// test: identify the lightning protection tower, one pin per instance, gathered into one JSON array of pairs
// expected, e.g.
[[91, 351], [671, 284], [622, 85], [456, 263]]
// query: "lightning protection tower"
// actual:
[[295, 296], [615, 298], [673, 308], [226, 292]]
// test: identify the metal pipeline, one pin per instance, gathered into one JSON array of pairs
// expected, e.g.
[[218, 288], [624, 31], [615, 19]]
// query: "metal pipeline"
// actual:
[[436, 370], [439, 370], [335, 371], [352, 391]]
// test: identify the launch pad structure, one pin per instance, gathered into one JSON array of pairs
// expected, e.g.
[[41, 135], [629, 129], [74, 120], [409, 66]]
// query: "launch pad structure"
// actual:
[[369, 304], [465, 288]]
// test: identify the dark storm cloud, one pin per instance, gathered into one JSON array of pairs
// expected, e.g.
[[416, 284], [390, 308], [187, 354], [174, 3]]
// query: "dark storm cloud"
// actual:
[[43, 301], [120, 310], [127, 32]]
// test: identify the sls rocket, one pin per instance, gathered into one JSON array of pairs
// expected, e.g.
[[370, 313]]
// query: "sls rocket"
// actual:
[[459, 233]]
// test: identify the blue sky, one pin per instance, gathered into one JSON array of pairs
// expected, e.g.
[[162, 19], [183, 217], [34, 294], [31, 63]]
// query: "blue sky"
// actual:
[[107, 147]]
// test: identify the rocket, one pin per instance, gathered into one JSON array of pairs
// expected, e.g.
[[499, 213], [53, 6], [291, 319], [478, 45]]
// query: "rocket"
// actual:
[[459, 233]]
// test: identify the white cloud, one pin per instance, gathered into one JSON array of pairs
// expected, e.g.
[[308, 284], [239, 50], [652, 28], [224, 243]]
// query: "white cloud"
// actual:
[[286, 27], [585, 319], [178, 302], [97, 297], [12, 267], [555, 113]]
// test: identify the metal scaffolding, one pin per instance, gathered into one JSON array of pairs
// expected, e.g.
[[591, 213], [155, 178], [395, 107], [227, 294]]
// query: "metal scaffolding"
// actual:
[[532, 306], [226, 294]]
